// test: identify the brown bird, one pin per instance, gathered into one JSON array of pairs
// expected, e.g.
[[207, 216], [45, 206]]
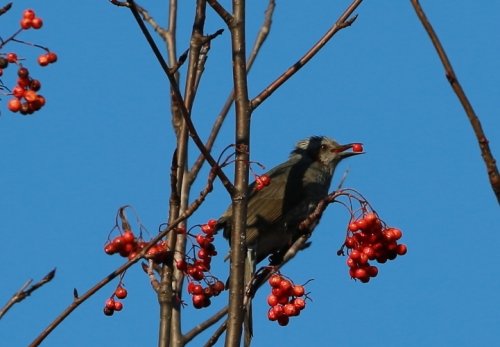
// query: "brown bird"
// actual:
[[274, 212]]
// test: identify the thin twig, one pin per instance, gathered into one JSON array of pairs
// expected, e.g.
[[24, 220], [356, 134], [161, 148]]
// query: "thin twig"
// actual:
[[5, 8], [262, 35], [179, 100], [204, 325], [488, 158], [221, 11], [341, 23], [216, 335], [79, 300], [24, 292]]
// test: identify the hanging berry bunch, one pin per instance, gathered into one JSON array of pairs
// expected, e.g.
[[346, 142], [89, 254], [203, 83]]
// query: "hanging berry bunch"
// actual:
[[286, 299], [369, 239], [113, 303], [202, 285], [25, 96]]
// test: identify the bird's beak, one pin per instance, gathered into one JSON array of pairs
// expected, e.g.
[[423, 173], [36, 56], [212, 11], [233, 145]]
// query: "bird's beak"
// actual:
[[344, 151]]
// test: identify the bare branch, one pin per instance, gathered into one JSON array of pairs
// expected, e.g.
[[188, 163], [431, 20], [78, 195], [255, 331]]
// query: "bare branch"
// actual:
[[221, 11], [79, 300], [204, 325], [239, 195], [262, 35], [488, 158], [178, 100], [24, 292], [341, 23], [5, 8]]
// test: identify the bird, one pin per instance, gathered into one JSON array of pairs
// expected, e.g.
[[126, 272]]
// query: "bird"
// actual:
[[295, 188]]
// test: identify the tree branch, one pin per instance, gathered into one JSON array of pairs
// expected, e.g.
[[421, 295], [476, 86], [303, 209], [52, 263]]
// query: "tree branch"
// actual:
[[24, 292], [488, 158], [204, 325], [341, 23], [179, 101], [262, 35], [239, 196]]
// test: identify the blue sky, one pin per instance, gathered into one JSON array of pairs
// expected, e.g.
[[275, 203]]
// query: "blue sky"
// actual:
[[104, 140]]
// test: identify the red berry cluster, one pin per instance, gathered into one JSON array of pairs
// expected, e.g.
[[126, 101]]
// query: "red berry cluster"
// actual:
[[112, 304], [369, 239], [201, 295], [26, 99], [286, 299], [30, 20], [197, 267], [47, 58], [128, 245], [261, 181]]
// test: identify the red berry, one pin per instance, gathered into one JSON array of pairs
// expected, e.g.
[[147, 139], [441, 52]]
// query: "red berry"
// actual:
[[357, 147], [23, 82], [207, 229], [30, 95], [40, 99], [11, 57], [271, 314], [265, 179], [121, 293], [43, 60], [25, 23], [283, 320], [110, 303], [401, 249], [190, 287], [118, 306], [290, 310], [218, 286], [199, 301], [350, 242], [35, 85], [14, 105], [372, 271], [362, 224], [203, 254], [18, 91], [181, 264], [110, 248], [272, 300], [37, 23], [355, 254], [197, 289], [108, 311], [286, 286], [298, 290], [370, 252], [351, 262], [28, 14], [360, 273], [275, 280], [128, 236], [299, 303], [52, 57]]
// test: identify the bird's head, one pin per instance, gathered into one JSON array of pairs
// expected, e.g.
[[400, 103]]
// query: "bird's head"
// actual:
[[324, 150]]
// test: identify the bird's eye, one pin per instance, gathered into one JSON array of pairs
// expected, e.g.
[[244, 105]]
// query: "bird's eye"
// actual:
[[323, 147]]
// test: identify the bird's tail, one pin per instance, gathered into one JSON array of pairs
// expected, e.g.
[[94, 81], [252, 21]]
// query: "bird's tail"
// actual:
[[249, 288]]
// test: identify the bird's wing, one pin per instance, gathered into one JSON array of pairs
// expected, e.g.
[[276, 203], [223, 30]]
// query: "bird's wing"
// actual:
[[265, 206]]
